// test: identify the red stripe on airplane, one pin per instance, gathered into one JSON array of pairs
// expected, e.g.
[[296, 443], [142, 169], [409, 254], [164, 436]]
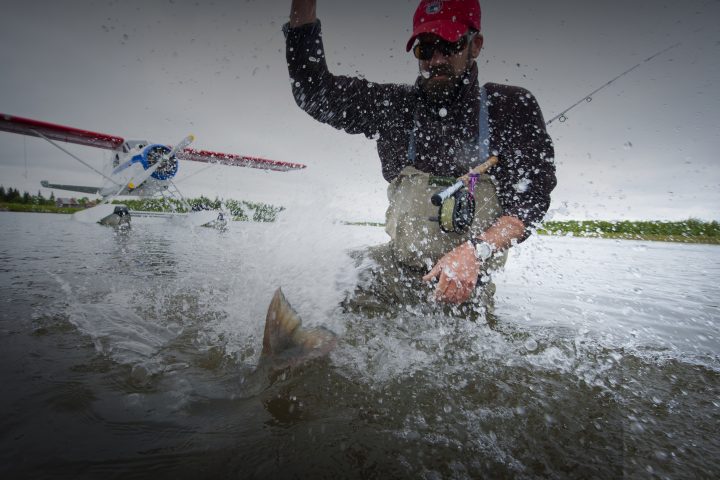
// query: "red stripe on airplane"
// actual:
[[62, 133], [237, 160]]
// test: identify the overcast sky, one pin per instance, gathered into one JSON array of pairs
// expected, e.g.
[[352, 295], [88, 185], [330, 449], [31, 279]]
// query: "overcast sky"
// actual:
[[646, 147]]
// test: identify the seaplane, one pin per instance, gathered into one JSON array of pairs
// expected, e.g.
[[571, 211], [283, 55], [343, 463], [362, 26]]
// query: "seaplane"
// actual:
[[139, 168]]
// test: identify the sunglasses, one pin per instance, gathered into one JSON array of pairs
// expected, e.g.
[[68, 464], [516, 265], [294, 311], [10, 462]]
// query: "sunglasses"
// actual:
[[426, 50]]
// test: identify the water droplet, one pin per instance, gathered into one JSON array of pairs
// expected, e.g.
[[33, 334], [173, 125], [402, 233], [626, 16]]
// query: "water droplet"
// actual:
[[530, 345], [660, 455], [442, 112]]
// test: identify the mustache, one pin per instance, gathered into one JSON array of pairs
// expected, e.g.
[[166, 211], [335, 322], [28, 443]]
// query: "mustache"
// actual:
[[437, 70]]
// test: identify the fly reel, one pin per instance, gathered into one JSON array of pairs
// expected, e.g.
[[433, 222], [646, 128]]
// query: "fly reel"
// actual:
[[456, 212], [457, 202]]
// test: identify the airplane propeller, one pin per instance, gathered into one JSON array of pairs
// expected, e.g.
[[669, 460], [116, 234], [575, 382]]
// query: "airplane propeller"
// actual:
[[139, 179], [105, 209]]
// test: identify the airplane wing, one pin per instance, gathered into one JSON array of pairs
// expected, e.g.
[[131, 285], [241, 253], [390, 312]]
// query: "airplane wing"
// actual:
[[37, 128], [72, 188], [62, 133], [237, 160]]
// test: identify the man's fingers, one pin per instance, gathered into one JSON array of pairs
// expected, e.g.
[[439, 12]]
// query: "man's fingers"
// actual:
[[442, 283], [433, 273], [456, 293], [447, 288], [450, 292], [462, 294]]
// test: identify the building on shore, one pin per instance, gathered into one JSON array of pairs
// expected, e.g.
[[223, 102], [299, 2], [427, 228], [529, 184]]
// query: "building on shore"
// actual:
[[67, 202]]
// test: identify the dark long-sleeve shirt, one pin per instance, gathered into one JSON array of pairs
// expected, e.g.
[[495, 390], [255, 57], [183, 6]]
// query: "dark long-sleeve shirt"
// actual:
[[392, 113]]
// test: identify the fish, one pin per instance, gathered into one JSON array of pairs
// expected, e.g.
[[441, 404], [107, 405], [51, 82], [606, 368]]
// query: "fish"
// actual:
[[287, 344]]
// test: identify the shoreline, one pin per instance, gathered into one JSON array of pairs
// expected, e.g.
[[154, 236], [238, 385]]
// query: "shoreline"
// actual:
[[671, 238]]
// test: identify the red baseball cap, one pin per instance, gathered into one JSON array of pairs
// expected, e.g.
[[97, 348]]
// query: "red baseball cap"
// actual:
[[448, 19]]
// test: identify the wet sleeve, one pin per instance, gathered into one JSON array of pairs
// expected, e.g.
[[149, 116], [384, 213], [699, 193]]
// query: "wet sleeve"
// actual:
[[352, 104], [526, 172]]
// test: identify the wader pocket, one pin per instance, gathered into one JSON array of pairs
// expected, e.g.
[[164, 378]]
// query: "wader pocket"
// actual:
[[419, 242]]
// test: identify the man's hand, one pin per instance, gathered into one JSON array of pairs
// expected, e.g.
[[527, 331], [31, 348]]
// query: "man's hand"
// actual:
[[457, 273], [458, 270], [302, 12]]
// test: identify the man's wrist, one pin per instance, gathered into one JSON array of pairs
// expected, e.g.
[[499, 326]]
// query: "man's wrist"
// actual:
[[483, 249]]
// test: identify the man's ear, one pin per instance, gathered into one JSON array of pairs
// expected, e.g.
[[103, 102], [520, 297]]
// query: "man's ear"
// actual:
[[476, 45]]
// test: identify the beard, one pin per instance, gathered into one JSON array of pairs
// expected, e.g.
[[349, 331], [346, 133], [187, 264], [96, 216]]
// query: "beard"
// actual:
[[440, 83]]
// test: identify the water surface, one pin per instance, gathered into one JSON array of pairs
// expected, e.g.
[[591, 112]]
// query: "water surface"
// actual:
[[128, 354]]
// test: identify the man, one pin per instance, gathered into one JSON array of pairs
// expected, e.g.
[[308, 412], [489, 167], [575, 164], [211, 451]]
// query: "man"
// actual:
[[428, 134]]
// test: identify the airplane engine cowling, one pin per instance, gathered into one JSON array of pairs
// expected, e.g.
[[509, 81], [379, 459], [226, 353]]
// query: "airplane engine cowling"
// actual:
[[154, 153]]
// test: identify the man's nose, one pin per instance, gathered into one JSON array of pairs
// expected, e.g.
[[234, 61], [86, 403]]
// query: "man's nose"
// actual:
[[438, 58]]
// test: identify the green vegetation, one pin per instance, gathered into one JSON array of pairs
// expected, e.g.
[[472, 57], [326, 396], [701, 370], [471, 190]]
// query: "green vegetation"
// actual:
[[239, 210], [688, 231], [12, 195], [365, 224], [11, 200], [20, 207]]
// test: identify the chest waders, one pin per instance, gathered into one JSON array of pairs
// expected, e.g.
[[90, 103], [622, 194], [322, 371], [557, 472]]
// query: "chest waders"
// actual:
[[416, 240]]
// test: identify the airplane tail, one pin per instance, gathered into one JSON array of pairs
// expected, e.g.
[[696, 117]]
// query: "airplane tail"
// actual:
[[286, 342]]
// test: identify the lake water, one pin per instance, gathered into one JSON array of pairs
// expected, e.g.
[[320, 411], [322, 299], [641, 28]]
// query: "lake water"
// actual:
[[128, 354]]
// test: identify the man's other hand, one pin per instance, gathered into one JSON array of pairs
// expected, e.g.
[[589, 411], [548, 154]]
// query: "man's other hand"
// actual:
[[302, 12]]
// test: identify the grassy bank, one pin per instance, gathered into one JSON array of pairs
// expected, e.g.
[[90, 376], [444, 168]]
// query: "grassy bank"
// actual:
[[240, 210], [688, 231], [23, 207]]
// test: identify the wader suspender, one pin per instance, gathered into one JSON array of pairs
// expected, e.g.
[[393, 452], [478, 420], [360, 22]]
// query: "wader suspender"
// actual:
[[483, 132]]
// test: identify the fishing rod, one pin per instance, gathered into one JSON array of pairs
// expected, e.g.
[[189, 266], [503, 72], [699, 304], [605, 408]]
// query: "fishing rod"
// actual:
[[588, 98], [457, 214]]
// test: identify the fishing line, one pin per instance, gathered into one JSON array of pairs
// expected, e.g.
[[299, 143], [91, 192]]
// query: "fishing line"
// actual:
[[588, 98], [466, 210]]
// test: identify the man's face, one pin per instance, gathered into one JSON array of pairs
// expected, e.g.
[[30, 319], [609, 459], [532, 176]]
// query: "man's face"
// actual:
[[443, 70]]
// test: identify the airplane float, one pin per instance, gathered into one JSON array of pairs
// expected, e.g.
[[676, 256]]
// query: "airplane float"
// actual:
[[139, 168]]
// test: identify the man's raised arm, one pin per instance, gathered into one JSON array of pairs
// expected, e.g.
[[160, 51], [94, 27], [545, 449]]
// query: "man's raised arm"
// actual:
[[352, 104], [302, 12]]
